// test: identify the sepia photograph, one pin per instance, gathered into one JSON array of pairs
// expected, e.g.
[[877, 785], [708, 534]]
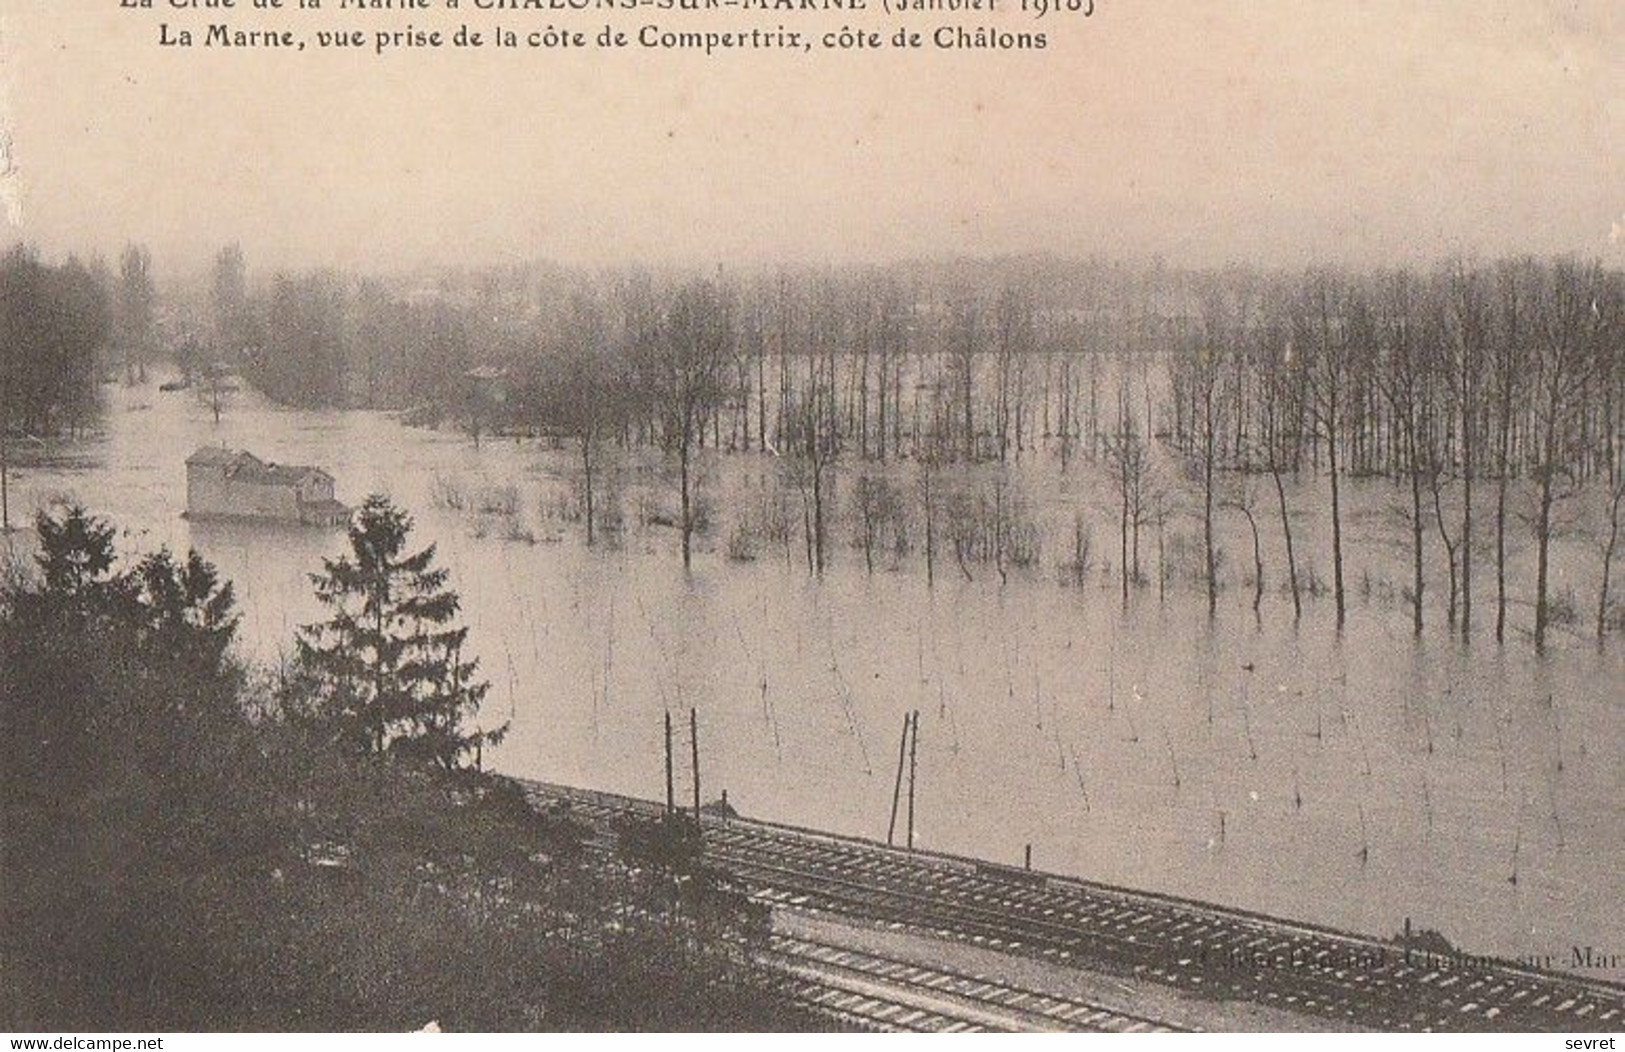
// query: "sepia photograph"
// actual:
[[811, 516]]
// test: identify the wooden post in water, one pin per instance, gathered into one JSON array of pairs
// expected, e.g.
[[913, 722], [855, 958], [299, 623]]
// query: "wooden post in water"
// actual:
[[1029, 862], [913, 765], [897, 788], [671, 792], [694, 743]]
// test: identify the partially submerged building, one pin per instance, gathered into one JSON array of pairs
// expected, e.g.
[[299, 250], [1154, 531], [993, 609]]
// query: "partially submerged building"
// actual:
[[235, 484]]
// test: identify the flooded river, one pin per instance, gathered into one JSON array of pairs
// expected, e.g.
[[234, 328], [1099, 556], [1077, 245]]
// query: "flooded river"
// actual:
[[1351, 780]]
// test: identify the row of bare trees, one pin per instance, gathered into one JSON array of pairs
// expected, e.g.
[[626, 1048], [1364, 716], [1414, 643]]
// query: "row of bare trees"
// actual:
[[1482, 392], [1469, 377]]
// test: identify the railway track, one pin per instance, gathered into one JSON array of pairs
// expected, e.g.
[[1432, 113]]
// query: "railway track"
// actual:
[[926, 997], [1192, 946], [861, 1011]]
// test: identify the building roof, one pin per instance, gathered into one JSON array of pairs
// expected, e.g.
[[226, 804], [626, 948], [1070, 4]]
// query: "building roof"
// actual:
[[243, 466], [213, 455]]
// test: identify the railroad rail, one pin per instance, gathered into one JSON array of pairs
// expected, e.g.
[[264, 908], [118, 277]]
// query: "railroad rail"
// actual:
[[1192, 946], [928, 997], [882, 1015]]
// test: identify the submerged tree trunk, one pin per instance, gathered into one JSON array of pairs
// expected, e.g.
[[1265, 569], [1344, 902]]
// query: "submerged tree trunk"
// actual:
[[1543, 543], [807, 531], [688, 514], [586, 476], [1162, 556], [1134, 519], [1466, 523], [930, 531], [1337, 528], [818, 517], [1123, 531], [869, 541], [1207, 510], [1608, 557], [1449, 546], [1286, 532], [1501, 546], [1258, 558], [1418, 580]]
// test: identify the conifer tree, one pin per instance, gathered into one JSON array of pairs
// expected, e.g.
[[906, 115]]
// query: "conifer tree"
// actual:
[[189, 612], [86, 645], [387, 667], [77, 553]]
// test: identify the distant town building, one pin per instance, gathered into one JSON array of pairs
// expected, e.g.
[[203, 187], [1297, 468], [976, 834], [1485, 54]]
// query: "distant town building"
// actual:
[[488, 384], [235, 484], [485, 392]]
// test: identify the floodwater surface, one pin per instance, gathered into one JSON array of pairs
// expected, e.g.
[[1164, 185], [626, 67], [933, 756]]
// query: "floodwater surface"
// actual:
[[1350, 779]]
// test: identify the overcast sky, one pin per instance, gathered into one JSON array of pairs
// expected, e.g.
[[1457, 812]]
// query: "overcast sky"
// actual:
[[1263, 131]]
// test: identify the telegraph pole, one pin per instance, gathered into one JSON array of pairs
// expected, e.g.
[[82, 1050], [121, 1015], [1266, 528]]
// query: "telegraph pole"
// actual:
[[913, 765], [694, 742], [897, 788], [671, 794]]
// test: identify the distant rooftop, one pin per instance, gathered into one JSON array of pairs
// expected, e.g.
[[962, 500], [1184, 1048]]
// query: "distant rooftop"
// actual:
[[246, 467], [213, 455]]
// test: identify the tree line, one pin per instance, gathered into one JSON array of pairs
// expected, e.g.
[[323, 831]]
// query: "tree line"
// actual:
[[1463, 385], [54, 321], [65, 327]]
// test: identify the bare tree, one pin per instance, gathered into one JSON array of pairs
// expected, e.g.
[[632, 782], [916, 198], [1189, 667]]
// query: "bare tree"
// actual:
[[1279, 373], [217, 387], [586, 398], [1568, 321], [1512, 332], [1402, 376], [1200, 374], [1610, 368], [927, 465], [812, 451], [1467, 325], [1127, 455], [231, 315], [1245, 501], [688, 378], [891, 345], [1324, 326], [1451, 544], [1616, 495], [877, 507], [963, 345], [136, 318], [1013, 346]]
